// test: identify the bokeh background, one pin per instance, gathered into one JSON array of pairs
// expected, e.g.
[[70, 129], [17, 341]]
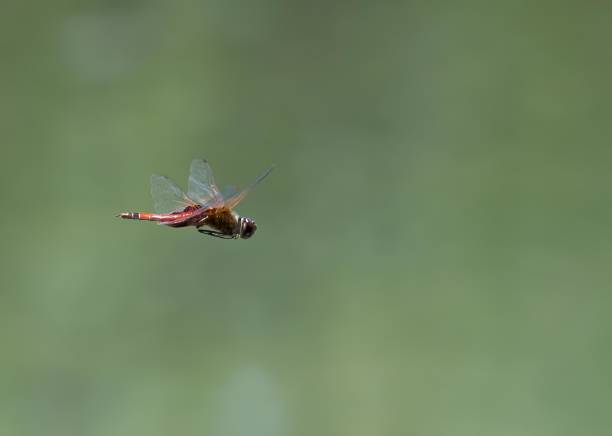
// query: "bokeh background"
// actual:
[[434, 246]]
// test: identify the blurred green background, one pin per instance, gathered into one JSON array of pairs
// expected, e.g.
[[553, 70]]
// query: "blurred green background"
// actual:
[[434, 246]]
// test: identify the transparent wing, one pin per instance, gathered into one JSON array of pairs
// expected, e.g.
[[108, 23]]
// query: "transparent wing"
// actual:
[[167, 197], [229, 191], [202, 186], [233, 200]]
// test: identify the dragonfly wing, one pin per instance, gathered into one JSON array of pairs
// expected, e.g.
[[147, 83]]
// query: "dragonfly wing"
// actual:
[[233, 200], [229, 191], [202, 186], [167, 197]]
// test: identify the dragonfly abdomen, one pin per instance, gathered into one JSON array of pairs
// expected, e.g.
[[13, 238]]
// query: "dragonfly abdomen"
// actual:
[[145, 216]]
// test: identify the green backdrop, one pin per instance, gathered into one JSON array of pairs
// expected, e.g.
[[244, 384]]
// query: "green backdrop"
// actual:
[[434, 245]]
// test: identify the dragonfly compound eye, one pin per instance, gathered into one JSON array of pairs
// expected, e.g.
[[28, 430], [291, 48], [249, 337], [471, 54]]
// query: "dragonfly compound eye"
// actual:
[[248, 228]]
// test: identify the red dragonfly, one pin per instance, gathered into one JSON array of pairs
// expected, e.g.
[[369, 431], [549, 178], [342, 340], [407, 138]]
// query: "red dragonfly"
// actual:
[[204, 206]]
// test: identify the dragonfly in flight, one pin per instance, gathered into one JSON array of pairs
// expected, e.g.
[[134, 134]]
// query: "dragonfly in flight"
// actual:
[[204, 206]]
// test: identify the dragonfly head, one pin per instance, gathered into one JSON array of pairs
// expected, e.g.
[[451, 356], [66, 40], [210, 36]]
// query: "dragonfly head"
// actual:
[[247, 227]]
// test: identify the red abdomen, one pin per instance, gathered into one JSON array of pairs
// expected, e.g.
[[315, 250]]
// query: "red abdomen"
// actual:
[[177, 219]]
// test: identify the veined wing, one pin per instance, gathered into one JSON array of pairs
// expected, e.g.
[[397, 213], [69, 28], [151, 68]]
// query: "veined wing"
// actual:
[[229, 191], [167, 197], [202, 186], [233, 200]]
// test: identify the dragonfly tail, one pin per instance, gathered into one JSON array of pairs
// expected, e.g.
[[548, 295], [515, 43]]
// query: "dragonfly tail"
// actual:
[[140, 216]]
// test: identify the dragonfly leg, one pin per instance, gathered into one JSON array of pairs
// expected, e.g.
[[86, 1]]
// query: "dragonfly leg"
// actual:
[[216, 234]]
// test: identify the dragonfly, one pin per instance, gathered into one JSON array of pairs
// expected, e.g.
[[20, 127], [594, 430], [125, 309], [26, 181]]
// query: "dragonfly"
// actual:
[[204, 206]]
